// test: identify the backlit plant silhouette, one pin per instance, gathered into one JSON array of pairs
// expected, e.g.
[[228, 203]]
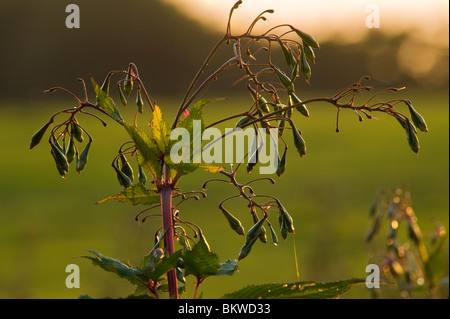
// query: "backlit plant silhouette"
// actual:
[[149, 177]]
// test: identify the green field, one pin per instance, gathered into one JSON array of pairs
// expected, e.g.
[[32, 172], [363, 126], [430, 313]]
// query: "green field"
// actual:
[[47, 222]]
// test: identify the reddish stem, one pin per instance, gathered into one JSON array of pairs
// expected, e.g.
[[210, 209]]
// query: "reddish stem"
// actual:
[[166, 209]]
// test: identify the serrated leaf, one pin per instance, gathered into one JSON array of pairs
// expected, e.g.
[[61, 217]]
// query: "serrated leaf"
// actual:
[[155, 270], [297, 290], [200, 261], [228, 268], [134, 195], [148, 150], [160, 130], [120, 268], [106, 103]]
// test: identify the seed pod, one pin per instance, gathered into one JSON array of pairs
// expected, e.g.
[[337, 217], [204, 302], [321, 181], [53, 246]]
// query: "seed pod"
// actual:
[[262, 235], [283, 226], [180, 275], [274, 235], [307, 39], [263, 105], [70, 152], [77, 132], [82, 159], [288, 56], [126, 168], [309, 53], [128, 83], [139, 100], [417, 119], [281, 125], [284, 80], [60, 158], [287, 219], [305, 69], [244, 120], [37, 137], [282, 163], [235, 224], [122, 97], [253, 159], [411, 136], [124, 180], [293, 99], [255, 231], [298, 141], [141, 175], [245, 250]]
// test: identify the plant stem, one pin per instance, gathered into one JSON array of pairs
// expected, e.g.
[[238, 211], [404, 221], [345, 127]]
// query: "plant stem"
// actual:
[[166, 209]]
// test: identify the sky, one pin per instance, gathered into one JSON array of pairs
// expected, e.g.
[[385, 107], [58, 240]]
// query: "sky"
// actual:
[[423, 54]]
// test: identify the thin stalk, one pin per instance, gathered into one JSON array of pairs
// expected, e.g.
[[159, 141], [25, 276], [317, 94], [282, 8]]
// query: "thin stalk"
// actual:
[[166, 209]]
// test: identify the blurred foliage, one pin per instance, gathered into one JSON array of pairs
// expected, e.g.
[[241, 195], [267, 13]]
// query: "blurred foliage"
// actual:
[[38, 46]]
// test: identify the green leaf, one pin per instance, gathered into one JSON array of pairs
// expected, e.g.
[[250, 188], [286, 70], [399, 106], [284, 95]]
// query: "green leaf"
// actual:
[[200, 261], [297, 290], [106, 103], [155, 269], [228, 268], [120, 268], [160, 130], [196, 113], [134, 195], [149, 152]]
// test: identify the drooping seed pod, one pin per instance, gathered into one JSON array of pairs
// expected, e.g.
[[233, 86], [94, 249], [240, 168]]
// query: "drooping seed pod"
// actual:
[[82, 159], [263, 105], [262, 235], [417, 119], [77, 132], [141, 176], [307, 38], [122, 97], [287, 220], [305, 69], [242, 121], [234, 223], [298, 141], [274, 235], [255, 231], [293, 99], [128, 82], [245, 250], [70, 152], [309, 53], [281, 125], [180, 275], [37, 137], [411, 136], [126, 167], [284, 80], [139, 100], [60, 157], [288, 55], [282, 163], [253, 157], [124, 180]]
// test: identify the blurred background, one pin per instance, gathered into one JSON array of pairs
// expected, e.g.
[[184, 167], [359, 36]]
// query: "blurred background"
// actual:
[[46, 222]]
